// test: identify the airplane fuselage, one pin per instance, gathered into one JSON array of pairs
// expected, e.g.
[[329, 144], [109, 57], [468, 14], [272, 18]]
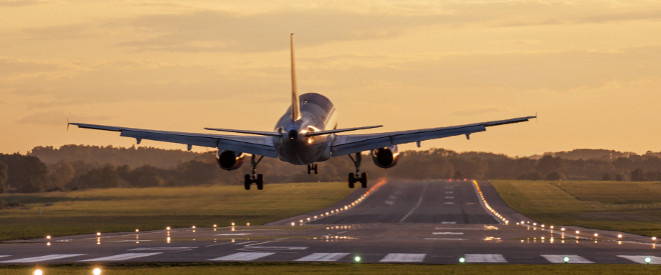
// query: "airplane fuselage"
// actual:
[[317, 113]]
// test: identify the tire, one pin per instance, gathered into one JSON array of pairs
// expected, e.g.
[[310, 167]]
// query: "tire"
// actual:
[[363, 180], [315, 169], [260, 182], [246, 182], [352, 180]]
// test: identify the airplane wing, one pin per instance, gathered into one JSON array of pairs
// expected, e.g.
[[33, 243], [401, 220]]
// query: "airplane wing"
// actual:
[[258, 145], [348, 144]]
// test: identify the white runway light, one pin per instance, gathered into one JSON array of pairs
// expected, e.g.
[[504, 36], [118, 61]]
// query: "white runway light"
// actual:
[[96, 271], [38, 272]]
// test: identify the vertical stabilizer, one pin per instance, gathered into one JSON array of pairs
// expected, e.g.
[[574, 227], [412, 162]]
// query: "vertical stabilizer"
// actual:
[[295, 108]]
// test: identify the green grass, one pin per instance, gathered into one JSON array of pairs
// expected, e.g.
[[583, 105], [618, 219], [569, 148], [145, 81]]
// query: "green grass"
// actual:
[[319, 268], [633, 207], [124, 209]]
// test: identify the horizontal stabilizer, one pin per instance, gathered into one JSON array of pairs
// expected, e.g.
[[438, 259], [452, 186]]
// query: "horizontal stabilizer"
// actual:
[[261, 133], [326, 132]]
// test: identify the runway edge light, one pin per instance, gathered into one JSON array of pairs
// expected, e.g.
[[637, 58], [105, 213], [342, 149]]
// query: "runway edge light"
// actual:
[[462, 260]]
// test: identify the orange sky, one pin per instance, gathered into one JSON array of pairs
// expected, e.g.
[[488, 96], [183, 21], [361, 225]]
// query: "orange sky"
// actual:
[[591, 69]]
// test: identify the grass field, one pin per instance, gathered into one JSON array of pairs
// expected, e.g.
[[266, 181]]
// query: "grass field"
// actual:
[[125, 209], [633, 207], [323, 268]]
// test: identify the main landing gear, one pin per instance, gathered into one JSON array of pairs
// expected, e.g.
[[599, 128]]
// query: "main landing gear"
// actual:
[[312, 167], [257, 179], [353, 178]]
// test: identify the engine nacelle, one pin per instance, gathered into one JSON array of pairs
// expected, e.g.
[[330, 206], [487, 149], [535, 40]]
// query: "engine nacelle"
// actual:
[[229, 160], [385, 157]]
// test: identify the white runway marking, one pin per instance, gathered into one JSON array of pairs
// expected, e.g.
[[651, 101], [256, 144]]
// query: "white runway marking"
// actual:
[[322, 257], [448, 233], [449, 197], [163, 248], [449, 192], [122, 257], [573, 259], [448, 202], [43, 258], [449, 222], [243, 256], [403, 258], [277, 247], [485, 258], [446, 239], [233, 234], [4, 256], [641, 259], [389, 202]]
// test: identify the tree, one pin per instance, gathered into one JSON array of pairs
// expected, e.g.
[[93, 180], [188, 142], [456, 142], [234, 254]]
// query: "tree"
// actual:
[[62, 173], [3, 177], [606, 177], [637, 174]]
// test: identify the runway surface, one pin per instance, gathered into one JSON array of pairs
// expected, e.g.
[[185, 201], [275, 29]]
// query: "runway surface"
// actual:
[[393, 221]]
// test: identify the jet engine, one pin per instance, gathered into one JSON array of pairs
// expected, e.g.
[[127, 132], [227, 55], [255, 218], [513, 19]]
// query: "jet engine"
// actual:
[[229, 160], [385, 157]]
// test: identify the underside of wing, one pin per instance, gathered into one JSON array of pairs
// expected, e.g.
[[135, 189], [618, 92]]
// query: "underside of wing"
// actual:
[[347, 144], [259, 145]]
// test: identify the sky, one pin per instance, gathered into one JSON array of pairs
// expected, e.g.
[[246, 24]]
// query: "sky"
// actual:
[[591, 70]]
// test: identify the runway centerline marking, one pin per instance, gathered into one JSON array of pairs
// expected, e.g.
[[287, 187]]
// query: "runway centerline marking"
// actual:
[[448, 202], [403, 258], [243, 256], [418, 204], [641, 259], [573, 259], [43, 258], [448, 222], [322, 257], [485, 258], [121, 257], [447, 233]]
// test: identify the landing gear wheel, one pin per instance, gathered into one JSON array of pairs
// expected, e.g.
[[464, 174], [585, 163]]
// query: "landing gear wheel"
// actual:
[[260, 182], [363, 180], [352, 180], [312, 167], [247, 181]]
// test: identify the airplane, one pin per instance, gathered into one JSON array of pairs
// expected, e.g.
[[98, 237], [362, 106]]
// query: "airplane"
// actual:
[[306, 134]]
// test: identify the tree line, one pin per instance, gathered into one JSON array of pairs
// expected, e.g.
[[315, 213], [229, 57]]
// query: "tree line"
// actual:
[[77, 167]]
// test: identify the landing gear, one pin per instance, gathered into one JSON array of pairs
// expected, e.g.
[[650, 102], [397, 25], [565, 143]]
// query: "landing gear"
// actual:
[[353, 178], [312, 167], [257, 179]]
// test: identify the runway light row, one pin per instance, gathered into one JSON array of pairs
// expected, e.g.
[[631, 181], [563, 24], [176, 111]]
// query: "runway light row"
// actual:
[[487, 206], [95, 271], [342, 208]]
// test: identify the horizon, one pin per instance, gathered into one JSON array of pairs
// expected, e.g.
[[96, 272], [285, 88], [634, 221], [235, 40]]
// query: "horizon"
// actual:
[[589, 69]]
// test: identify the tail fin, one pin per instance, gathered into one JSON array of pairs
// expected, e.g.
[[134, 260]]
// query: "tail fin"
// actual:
[[295, 108]]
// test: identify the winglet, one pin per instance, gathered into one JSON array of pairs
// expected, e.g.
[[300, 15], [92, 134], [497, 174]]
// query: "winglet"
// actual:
[[295, 108]]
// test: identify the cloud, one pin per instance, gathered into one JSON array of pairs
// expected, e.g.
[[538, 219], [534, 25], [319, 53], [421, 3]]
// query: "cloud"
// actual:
[[18, 3], [205, 31], [56, 118], [10, 67]]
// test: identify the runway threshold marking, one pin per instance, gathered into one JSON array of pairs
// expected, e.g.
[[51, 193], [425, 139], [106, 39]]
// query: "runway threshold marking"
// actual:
[[243, 256], [403, 258], [163, 248], [485, 258], [43, 258], [322, 257], [121, 257], [4, 256], [641, 259], [573, 259]]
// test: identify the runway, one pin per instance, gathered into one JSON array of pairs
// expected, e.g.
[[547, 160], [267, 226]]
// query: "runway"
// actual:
[[393, 221]]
